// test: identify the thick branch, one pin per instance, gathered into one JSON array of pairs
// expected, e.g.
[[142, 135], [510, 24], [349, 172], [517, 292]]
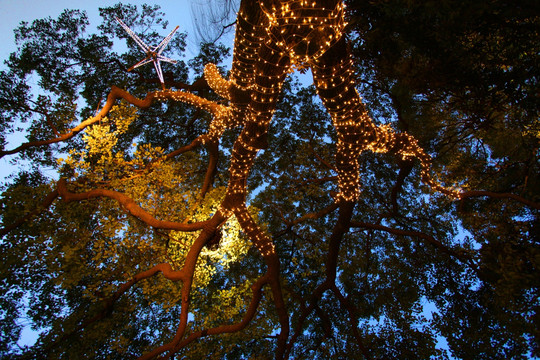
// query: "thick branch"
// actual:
[[334, 244], [266, 247], [115, 93], [129, 205]]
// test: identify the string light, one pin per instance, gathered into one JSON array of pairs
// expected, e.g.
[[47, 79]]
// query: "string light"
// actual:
[[269, 43]]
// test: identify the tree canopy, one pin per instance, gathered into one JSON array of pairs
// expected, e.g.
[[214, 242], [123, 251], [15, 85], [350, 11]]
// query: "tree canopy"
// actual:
[[387, 211]]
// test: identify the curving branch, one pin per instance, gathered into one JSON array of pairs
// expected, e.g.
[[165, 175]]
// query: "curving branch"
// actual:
[[108, 304], [212, 147], [251, 310], [163, 268], [219, 111], [211, 170], [114, 94], [198, 141], [428, 238], [129, 205], [185, 274], [481, 193]]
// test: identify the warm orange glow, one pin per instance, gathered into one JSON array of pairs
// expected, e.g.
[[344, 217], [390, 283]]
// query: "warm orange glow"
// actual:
[[296, 34], [301, 32]]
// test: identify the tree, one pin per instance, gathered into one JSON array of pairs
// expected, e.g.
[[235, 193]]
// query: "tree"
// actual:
[[336, 228]]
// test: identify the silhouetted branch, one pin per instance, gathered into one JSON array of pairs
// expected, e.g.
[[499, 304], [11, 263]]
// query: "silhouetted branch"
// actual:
[[405, 168], [428, 238], [341, 227], [480, 193], [129, 205], [49, 199], [353, 319]]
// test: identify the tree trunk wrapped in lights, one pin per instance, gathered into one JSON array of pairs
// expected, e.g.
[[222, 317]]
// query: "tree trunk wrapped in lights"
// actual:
[[272, 39]]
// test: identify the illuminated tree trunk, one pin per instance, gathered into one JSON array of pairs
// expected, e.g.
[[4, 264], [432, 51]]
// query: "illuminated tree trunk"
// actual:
[[272, 39]]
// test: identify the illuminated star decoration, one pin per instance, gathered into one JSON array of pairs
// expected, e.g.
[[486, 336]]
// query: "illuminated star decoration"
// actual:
[[152, 55]]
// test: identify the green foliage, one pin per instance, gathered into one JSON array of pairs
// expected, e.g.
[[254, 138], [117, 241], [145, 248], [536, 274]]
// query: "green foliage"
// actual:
[[61, 265], [460, 76]]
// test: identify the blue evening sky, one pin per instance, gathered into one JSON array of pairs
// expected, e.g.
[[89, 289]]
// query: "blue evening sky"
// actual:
[[12, 12]]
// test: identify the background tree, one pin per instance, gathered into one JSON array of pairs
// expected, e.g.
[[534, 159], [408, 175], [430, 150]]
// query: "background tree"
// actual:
[[381, 277]]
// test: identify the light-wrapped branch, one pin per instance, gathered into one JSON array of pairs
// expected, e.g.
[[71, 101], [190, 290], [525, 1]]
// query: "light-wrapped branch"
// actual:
[[335, 82], [220, 113]]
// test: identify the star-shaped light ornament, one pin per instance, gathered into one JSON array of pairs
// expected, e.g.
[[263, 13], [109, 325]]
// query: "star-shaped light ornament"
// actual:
[[152, 55]]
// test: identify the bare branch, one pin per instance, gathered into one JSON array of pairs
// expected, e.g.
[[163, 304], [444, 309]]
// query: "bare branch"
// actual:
[[480, 193], [428, 238], [129, 205]]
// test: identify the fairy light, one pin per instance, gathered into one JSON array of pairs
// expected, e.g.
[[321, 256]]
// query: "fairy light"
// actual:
[[268, 44], [304, 30]]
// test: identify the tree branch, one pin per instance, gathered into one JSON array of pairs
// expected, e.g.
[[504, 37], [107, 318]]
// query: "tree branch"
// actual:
[[353, 319], [114, 94], [256, 288], [430, 239], [405, 168], [217, 110], [480, 193], [186, 275], [129, 205], [341, 227], [49, 199]]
